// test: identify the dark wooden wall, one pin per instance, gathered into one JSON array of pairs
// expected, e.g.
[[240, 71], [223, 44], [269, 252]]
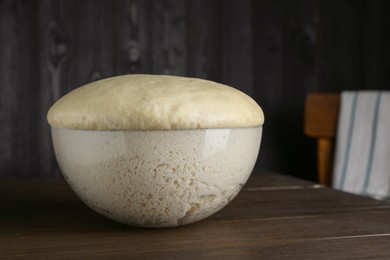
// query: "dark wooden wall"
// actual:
[[275, 51]]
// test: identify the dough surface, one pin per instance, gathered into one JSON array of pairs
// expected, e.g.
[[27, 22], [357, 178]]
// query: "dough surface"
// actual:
[[154, 102]]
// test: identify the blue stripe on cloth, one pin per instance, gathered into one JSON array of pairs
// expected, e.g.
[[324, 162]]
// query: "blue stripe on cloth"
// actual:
[[349, 141], [388, 191], [372, 143]]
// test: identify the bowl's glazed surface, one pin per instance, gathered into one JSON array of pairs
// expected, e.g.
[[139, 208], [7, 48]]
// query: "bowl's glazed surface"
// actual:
[[157, 178]]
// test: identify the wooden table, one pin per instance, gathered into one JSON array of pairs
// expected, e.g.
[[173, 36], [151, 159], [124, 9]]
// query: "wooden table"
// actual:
[[274, 216]]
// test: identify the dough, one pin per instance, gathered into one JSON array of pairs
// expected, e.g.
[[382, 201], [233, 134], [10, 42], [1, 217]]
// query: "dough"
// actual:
[[154, 102]]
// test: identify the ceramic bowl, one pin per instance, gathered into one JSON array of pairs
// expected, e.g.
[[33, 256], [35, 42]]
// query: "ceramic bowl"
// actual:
[[157, 178]]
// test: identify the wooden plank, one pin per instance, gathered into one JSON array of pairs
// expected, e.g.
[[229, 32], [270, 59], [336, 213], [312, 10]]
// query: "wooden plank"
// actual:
[[376, 41], [54, 66], [132, 36], [237, 45], [299, 41], [372, 247], [19, 107], [352, 48], [7, 81], [91, 36], [168, 37], [340, 45], [70, 240], [204, 39], [268, 179], [268, 77], [294, 201]]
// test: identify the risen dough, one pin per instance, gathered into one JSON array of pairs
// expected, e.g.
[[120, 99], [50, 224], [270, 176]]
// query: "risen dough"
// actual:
[[154, 102]]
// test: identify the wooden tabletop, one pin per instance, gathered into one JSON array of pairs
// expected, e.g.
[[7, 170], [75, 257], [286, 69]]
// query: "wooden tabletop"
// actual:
[[274, 216]]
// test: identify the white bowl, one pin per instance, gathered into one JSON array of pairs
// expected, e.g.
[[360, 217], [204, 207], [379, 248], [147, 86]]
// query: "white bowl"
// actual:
[[161, 178]]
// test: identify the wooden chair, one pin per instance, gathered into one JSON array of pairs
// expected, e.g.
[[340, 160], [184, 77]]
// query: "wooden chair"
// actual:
[[320, 121]]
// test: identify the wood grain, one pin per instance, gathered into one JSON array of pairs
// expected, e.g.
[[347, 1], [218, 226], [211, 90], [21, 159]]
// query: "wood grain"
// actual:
[[275, 216], [204, 39], [299, 45], [268, 77], [325, 148], [132, 27], [376, 41], [340, 63], [168, 37], [237, 45], [19, 98], [284, 40], [275, 51], [320, 122], [54, 65], [321, 114]]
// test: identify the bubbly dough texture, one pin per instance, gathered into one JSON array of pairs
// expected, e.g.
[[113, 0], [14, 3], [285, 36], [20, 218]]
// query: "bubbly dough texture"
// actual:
[[154, 102], [157, 178]]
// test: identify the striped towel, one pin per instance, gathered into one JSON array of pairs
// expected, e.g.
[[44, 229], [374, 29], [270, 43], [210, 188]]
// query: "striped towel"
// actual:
[[362, 155]]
